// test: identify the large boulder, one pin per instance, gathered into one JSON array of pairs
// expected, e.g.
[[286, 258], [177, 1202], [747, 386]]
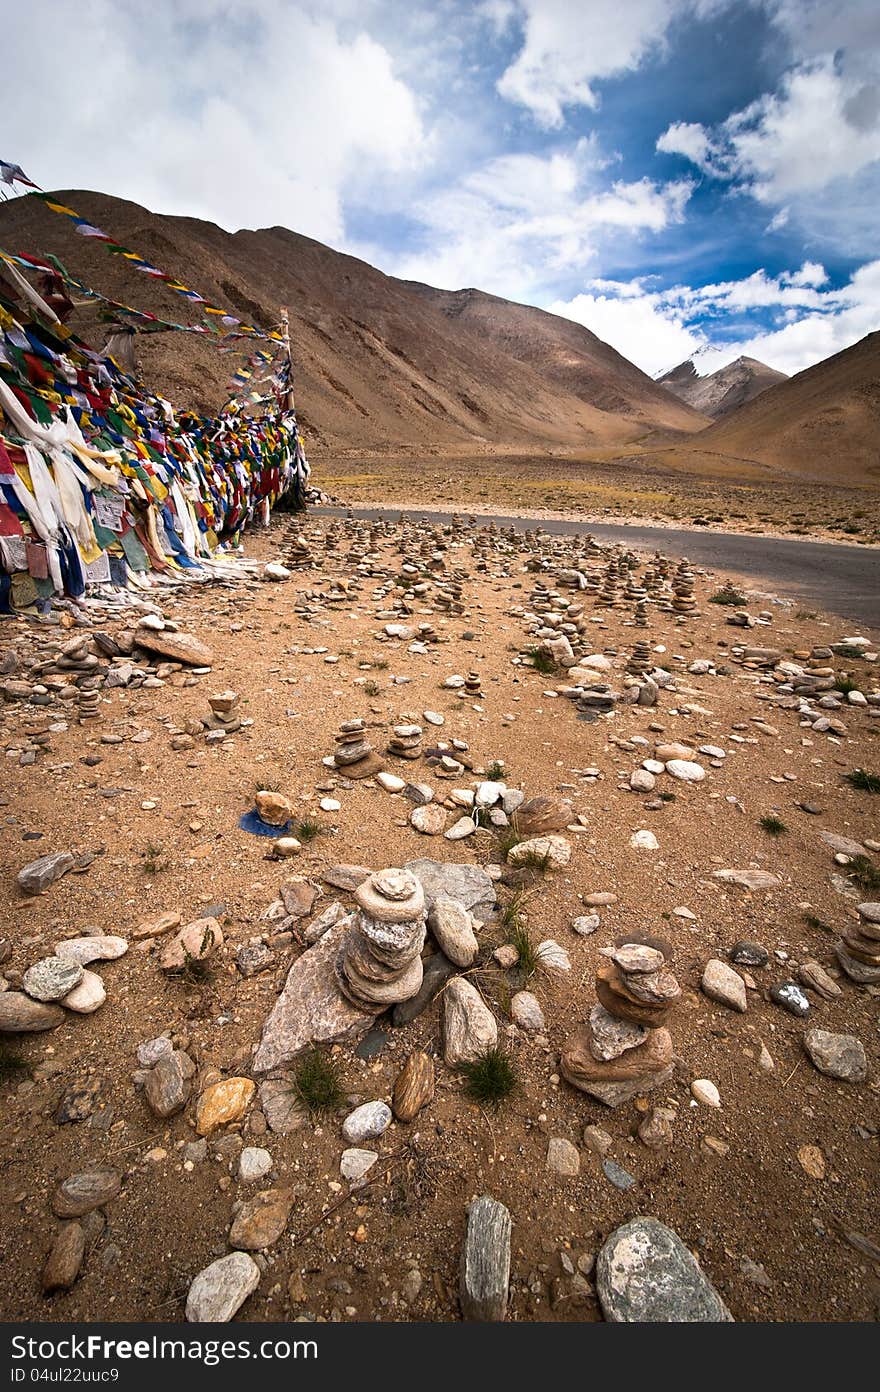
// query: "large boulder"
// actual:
[[645, 1274]]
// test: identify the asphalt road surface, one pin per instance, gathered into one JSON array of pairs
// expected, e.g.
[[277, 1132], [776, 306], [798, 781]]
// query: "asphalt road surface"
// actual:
[[840, 579]]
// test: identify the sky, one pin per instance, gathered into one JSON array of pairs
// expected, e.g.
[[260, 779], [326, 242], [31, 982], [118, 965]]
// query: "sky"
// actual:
[[683, 177]]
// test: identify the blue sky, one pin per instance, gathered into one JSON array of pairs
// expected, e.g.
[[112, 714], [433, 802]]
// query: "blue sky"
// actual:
[[679, 175]]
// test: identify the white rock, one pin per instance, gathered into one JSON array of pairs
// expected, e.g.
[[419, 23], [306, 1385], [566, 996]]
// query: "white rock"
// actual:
[[366, 1122], [686, 770], [706, 1092], [555, 850], [329, 804], [87, 997], [489, 793], [465, 826], [219, 1291], [390, 782], [644, 841], [96, 949], [525, 1011], [552, 957], [356, 1163], [433, 717], [253, 1163]]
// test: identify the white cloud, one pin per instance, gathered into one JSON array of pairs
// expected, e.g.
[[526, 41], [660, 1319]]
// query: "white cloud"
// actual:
[[521, 222], [657, 329], [249, 114], [686, 138], [635, 322], [568, 47]]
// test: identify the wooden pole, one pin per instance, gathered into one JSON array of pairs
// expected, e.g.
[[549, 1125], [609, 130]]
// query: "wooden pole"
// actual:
[[285, 334]]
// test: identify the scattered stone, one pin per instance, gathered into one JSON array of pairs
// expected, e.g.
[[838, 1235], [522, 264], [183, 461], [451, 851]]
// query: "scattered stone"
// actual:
[[40, 874], [706, 1092], [413, 1087], [485, 1262], [525, 1011], [87, 997], [748, 954], [51, 979], [749, 879], [356, 1163], [219, 1292], [551, 852], [19, 1014], [645, 1274], [196, 942], [837, 1055], [168, 1084], [617, 1175], [790, 996], [253, 1163], [562, 1157], [366, 1122], [721, 983], [453, 929], [82, 1192], [223, 1103], [261, 1220], [65, 1258], [469, 1027]]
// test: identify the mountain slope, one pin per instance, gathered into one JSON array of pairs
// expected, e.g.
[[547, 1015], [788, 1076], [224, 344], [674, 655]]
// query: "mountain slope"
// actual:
[[823, 423], [380, 363], [718, 393]]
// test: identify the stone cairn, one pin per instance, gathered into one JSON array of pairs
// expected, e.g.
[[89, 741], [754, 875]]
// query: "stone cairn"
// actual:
[[639, 660], [858, 951], [597, 700], [354, 755], [224, 713], [380, 961], [683, 602], [472, 684], [625, 1049], [406, 741], [640, 614], [89, 703]]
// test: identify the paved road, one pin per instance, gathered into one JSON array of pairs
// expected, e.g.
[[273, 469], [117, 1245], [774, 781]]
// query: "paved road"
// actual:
[[843, 580]]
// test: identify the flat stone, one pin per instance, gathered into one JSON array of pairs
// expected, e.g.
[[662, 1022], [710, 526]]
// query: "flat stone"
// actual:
[[219, 1292], [260, 1221], [346, 877], [310, 1009], [705, 1091], [469, 1027], [468, 885], [465, 826], [816, 978], [413, 1087], [366, 1122], [610, 1037], [223, 1103], [563, 1158], [356, 1163], [179, 647], [582, 1069], [19, 1014], [637, 957], [87, 950], [553, 851], [157, 927], [453, 930], [749, 879], [539, 816], [485, 1261], [721, 983], [40, 874], [837, 1055], [86, 997], [51, 978], [645, 1274], [82, 1192], [585, 924]]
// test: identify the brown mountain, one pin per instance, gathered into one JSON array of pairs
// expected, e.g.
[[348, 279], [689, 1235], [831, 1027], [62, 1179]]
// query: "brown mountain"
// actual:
[[823, 423], [380, 363], [718, 393]]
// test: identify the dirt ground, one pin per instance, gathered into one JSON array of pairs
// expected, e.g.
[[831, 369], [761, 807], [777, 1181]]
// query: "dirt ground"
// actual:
[[165, 825], [648, 486]]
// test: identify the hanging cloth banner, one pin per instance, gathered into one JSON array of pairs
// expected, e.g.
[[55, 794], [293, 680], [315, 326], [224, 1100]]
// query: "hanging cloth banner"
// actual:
[[87, 229]]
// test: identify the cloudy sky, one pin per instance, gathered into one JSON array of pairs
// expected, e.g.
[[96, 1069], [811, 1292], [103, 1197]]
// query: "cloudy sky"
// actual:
[[678, 175]]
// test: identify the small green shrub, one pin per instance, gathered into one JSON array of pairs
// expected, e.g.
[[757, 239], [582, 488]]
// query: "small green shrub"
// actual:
[[773, 826], [491, 1079], [317, 1084]]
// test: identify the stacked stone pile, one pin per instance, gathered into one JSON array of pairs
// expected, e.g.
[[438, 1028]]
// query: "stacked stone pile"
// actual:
[[380, 962], [625, 1048]]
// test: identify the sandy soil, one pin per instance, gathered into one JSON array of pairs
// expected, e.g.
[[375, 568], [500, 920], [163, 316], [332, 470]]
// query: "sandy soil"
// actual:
[[165, 826]]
